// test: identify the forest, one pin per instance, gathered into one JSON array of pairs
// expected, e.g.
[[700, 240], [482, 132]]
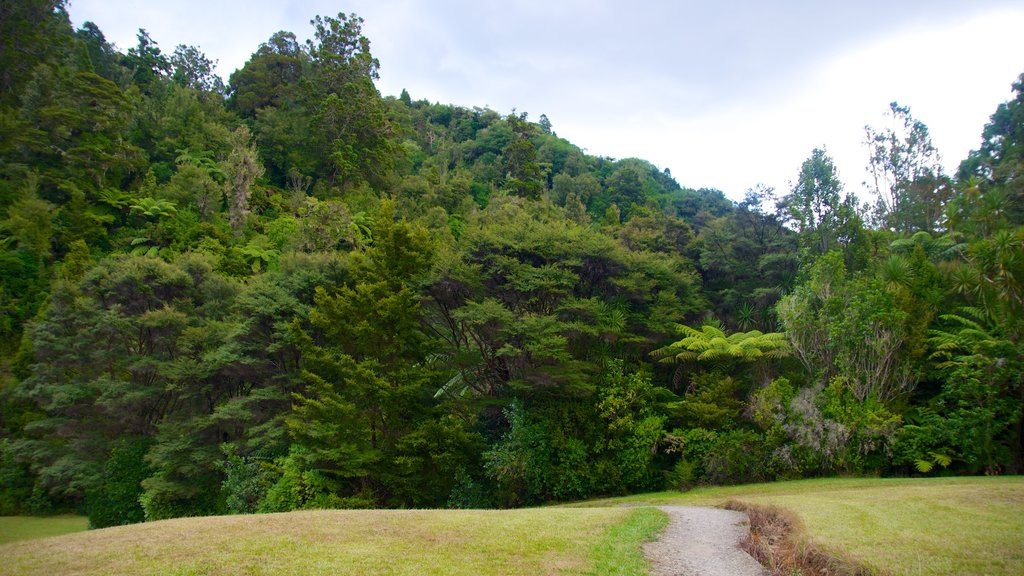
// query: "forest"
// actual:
[[289, 291]]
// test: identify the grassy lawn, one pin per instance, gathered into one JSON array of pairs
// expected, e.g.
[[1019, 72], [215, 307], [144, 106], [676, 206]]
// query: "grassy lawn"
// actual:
[[14, 528], [928, 526], [534, 541], [899, 526]]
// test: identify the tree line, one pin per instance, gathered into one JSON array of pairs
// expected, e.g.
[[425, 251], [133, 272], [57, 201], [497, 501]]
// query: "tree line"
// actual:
[[289, 291]]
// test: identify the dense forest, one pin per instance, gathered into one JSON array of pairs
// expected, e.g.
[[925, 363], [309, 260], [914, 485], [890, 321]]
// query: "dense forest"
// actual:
[[289, 291]]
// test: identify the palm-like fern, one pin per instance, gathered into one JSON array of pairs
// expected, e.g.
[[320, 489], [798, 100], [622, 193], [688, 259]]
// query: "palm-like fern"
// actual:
[[203, 160], [969, 337], [712, 344], [943, 247], [152, 208]]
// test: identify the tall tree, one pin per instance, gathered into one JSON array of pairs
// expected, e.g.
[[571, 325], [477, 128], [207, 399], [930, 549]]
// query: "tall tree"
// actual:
[[242, 168], [519, 159], [907, 176], [824, 218], [998, 165], [350, 123]]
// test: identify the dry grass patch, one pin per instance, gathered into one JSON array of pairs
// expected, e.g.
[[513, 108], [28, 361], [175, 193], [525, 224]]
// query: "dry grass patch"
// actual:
[[779, 542], [480, 542]]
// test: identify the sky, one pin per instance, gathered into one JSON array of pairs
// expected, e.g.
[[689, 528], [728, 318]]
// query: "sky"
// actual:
[[725, 94]]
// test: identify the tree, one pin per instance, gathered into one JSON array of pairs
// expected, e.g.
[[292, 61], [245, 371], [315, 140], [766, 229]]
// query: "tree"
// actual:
[[365, 366], [711, 344], [519, 160], [907, 175], [192, 69], [747, 260], [824, 219], [990, 278], [147, 62], [271, 76], [30, 223], [981, 398], [998, 164], [242, 169], [857, 327], [349, 119], [32, 32], [340, 52]]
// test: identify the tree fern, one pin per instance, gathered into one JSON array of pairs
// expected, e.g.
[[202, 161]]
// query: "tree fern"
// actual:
[[711, 344]]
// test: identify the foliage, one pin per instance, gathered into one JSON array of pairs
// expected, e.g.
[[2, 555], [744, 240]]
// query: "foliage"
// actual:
[[115, 500], [292, 292], [907, 174], [824, 218], [711, 344]]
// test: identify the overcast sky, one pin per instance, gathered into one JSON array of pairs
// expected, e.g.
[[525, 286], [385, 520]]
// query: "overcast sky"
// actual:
[[725, 94]]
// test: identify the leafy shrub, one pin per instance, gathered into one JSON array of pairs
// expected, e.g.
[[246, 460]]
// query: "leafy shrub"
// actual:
[[116, 500], [246, 483], [16, 482], [682, 476], [737, 457], [518, 461], [467, 493], [300, 488]]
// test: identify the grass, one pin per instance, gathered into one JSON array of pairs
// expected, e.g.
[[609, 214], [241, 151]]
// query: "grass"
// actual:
[[14, 528], [912, 527], [620, 551], [394, 542], [904, 527]]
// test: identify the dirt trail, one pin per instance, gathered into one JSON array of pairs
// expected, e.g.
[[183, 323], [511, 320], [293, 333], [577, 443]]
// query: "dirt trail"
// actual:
[[702, 542]]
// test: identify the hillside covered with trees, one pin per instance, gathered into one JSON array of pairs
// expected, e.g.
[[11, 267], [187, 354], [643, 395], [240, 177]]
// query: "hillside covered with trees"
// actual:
[[289, 291]]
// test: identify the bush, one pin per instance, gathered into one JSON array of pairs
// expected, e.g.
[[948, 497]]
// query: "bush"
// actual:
[[467, 493], [517, 462], [682, 476], [116, 500], [16, 482], [246, 483], [737, 457], [298, 488]]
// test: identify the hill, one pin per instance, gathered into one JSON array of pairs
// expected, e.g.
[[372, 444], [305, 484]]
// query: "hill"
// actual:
[[467, 542], [288, 291]]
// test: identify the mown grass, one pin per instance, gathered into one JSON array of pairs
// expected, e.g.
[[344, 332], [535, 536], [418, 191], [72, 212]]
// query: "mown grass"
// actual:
[[912, 527], [15, 528], [620, 551], [514, 542]]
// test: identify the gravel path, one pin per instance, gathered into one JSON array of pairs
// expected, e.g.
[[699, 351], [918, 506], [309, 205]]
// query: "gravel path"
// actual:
[[702, 542]]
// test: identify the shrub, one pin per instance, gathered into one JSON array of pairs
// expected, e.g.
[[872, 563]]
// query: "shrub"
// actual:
[[246, 483], [737, 457], [116, 500], [16, 482]]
